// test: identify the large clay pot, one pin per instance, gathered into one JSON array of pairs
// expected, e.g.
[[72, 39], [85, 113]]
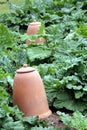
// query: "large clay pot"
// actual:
[[29, 93], [32, 30]]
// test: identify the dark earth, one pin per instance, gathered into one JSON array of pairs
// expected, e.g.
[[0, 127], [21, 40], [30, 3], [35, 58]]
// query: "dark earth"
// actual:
[[54, 120]]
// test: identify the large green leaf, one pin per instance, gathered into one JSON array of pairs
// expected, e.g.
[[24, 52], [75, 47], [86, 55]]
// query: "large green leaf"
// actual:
[[6, 37], [45, 128], [10, 125], [65, 99], [4, 98], [38, 53], [79, 94], [76, 121]]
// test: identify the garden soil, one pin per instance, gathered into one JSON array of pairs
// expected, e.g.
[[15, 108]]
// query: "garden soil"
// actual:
[[54, 120]]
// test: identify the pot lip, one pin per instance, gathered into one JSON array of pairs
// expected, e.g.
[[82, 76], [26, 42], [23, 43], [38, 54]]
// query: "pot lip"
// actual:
[[25, 69], [35, 23]]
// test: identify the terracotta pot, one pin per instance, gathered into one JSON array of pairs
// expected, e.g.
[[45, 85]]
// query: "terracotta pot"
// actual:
[[29, 93], [32, 30]]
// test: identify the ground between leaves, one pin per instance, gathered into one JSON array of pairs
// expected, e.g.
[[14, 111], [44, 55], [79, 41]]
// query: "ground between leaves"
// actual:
[[54, 120]]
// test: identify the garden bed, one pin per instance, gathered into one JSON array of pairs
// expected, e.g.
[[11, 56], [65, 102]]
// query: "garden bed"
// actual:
[[61, 61], [54, 120]]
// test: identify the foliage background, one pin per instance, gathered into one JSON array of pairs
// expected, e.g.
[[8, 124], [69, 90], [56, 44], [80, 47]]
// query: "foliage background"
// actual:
[[61, 60]]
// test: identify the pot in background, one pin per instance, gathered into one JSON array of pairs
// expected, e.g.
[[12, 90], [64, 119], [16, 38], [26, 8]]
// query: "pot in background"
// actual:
[[29, 93], [32, 30]]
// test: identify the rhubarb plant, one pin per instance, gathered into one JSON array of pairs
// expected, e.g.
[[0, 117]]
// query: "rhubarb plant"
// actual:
[[76, 121]]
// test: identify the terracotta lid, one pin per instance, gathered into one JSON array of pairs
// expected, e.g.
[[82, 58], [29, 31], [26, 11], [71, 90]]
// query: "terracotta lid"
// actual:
[[35, 23], [25, 69]]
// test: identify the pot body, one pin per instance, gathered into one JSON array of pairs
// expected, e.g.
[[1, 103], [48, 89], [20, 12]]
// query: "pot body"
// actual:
[[32, 30], [29, 95]]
